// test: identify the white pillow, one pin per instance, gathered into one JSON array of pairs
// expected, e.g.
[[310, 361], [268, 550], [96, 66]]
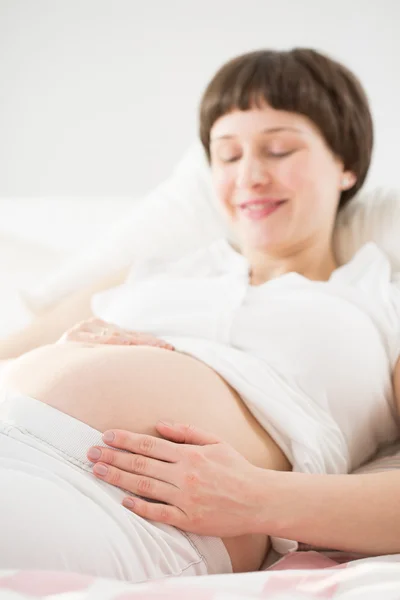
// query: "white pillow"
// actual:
[[373, 215], [182, 214], [22, 262]]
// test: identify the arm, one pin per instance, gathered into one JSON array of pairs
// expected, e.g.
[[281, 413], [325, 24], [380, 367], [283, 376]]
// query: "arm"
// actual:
[[356, 513], [359, 513], [47, 328], [208, 488]]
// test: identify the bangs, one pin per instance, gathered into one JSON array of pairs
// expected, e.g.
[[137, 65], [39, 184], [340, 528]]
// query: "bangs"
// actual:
[[252, 81]]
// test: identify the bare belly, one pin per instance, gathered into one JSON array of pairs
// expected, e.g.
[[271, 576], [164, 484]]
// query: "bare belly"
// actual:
[[131, 387]]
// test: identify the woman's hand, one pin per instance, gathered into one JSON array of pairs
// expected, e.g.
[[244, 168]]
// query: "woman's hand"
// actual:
[[201, 484], [97, 331]]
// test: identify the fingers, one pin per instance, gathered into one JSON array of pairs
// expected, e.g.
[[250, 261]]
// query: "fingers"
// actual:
[[85, 330], [186, 434], [161, 513], [80, 336], [146, 445], [133, 463], [145, 339], [137, 484], [89, 324], [96, 330], [134, 339]]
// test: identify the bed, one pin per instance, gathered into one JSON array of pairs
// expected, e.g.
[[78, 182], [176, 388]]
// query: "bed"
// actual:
[[301, 576]]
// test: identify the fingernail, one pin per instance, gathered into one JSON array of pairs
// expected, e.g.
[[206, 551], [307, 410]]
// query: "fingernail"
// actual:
[[108, 437], [128, 502], [167, 423], [94, 454], [100, 470]]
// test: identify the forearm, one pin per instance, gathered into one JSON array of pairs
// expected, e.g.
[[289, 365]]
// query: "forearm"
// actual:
[[22, 341], [357, 513], [48, 328]]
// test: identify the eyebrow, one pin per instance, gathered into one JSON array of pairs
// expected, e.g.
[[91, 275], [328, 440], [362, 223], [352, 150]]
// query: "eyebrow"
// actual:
[[268, 130]]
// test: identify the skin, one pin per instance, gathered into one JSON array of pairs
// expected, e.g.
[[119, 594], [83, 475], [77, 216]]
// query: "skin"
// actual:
[[254, 154], [270, 153], [182, 473]]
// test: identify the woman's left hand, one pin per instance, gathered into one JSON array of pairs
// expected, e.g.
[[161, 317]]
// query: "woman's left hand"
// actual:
[[201, 483], [97, 331]]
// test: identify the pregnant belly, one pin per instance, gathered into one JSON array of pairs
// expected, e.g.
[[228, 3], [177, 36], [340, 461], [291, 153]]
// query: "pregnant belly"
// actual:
[[131, 387]]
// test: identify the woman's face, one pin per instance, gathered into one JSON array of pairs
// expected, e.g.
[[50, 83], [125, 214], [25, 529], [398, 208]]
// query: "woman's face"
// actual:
[[276, 178]]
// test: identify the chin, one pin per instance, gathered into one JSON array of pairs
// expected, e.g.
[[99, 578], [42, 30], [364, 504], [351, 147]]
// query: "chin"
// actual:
[[260, 243]]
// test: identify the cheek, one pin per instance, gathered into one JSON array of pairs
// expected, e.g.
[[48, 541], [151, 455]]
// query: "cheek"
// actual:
[[297, 174], [224, 186], [311, 179], [308, 177]]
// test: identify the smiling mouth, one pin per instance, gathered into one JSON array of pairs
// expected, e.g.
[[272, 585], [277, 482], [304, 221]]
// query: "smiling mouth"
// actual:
[[260, 209]]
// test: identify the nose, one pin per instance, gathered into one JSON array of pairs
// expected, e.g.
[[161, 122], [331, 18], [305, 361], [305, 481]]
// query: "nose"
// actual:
[[252, 173]]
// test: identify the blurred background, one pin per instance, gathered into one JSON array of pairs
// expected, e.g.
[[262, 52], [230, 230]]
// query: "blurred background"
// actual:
[[99, 100]]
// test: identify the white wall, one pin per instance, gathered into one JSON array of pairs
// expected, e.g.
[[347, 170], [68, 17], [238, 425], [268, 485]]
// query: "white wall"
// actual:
[[98, 101], [99, 97]]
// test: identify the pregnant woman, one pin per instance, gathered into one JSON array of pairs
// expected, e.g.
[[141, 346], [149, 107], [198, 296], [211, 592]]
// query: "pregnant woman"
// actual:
[[270, 345]]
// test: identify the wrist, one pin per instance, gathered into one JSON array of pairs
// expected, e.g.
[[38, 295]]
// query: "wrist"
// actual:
[[275, 492]]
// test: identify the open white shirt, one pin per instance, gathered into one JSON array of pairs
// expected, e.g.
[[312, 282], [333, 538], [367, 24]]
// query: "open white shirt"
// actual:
[[312, 360]]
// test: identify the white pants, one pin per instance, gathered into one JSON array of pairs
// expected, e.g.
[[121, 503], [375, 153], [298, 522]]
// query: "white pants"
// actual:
[[55, 515]]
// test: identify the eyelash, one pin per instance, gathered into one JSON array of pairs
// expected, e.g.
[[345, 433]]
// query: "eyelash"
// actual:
[[271, 155]]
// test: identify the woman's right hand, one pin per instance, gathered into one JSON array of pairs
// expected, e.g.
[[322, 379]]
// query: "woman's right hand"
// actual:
[[97, 331], [194, 480]]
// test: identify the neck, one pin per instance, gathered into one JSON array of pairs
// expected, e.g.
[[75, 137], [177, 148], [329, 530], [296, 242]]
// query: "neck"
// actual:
[[316, 262]]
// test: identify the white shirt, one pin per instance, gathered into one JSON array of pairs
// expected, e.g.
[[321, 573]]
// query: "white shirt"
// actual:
[[312, 360]]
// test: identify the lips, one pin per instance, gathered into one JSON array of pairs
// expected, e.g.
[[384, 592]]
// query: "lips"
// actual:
[[260, 208], [261, 201]]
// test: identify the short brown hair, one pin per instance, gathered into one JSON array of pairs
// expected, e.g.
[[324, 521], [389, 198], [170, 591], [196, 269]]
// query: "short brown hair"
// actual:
[[303, 81]]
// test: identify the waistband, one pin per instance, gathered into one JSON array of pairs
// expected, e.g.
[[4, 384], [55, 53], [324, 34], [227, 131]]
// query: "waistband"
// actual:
[[61, 433], [70, 439]]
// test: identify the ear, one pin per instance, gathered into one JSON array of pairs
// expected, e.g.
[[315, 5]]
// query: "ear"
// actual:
[[348, 180]]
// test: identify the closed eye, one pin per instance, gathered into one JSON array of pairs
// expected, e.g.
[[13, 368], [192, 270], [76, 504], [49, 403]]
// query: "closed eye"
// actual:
[[269, 154], [280, 154], [230, 160]]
